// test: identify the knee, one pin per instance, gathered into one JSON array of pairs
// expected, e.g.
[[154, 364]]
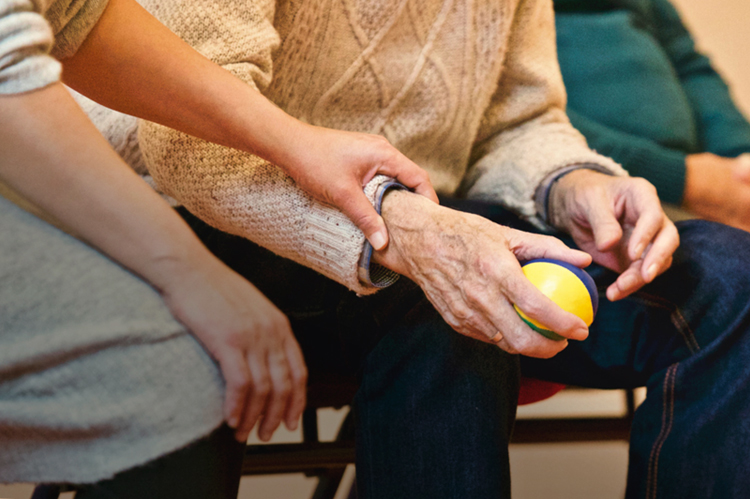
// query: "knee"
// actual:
[[715, 249], [712, 258], [425, 349]]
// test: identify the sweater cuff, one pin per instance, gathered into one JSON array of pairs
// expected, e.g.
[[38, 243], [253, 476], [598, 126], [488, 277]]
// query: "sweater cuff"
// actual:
[[32, 73], [664, 168], [25, 42], [543, 191], [371, 274]]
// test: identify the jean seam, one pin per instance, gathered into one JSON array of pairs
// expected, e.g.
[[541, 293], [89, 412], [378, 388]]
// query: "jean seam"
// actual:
[[676, 317], [666, 428]]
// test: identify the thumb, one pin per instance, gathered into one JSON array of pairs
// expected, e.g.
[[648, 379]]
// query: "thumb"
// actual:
[[359, 210]]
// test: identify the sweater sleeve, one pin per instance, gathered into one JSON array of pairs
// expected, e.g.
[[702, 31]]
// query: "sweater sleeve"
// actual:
[[525, 135], [72, 21], [722, 127], [641, 157], [25, 43], [234, 191]]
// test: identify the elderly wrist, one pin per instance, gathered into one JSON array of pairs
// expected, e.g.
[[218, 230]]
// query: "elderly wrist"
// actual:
[[405, 214], [562, 189]]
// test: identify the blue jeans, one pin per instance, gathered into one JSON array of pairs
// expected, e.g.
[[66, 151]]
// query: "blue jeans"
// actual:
[[686, 338], [435, 410]]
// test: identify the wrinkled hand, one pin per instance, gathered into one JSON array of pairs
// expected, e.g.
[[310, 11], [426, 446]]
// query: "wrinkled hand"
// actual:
[[252, 341], [718, 189], [333, 166], [620, 222], [469, 269]]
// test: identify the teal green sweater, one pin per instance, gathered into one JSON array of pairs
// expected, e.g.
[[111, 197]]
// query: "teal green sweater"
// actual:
[[641, 93]]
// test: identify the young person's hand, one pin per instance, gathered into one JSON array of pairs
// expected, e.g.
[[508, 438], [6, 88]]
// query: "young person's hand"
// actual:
[[333, 166], [262, 364], [52, 155]]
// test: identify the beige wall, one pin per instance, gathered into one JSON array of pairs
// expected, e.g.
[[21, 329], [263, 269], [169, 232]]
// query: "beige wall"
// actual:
[[721, 29]]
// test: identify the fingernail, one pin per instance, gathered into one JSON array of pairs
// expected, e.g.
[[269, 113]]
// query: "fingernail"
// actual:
[[651, 272], [639, 251], [233, 422], [378, 240]]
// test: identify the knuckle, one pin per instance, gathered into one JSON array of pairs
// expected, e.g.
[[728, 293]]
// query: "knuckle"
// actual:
[[530, 307], [383, 143], [284, 389], [281, 322], [262, 387], [644, 184], [237, 338], [242, 382], [475, 295], [265, 323], [523, 345], [300, 378]]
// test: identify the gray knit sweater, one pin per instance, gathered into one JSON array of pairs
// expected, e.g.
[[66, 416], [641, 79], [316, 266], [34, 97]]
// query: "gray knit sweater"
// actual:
[[35, 32], [96, 376]]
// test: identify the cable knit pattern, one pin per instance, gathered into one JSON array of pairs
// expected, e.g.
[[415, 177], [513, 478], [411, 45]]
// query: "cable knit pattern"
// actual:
[[435, 77], [468, 89], [238, 192]]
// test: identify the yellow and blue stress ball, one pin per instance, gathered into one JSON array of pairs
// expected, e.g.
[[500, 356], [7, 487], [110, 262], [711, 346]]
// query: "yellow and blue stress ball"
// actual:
[[571, 288]]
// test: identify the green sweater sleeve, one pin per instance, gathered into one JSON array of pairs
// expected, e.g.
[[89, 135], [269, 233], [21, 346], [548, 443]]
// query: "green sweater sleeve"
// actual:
[[663, 167], [722, 127]]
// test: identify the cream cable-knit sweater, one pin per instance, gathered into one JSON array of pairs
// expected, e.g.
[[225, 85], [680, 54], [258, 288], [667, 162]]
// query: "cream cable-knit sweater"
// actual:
[[468, 89]]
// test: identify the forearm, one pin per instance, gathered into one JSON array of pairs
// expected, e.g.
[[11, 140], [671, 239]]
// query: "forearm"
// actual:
[[246, 196], [151, 73], [722, 128], [525, 134], [52, 155], [513, 165]]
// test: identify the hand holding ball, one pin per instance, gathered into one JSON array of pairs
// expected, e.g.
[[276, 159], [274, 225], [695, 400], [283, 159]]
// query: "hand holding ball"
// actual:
[[571, 288]]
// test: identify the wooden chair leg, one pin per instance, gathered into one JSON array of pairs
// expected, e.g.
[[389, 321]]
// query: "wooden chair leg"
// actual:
[[330, 481]]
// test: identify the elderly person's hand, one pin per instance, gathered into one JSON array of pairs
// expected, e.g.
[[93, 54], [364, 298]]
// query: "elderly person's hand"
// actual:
[[619, 222], [469, 269]]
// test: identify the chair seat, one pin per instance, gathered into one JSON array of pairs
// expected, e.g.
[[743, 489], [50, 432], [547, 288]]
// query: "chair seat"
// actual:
[[536, 390]]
